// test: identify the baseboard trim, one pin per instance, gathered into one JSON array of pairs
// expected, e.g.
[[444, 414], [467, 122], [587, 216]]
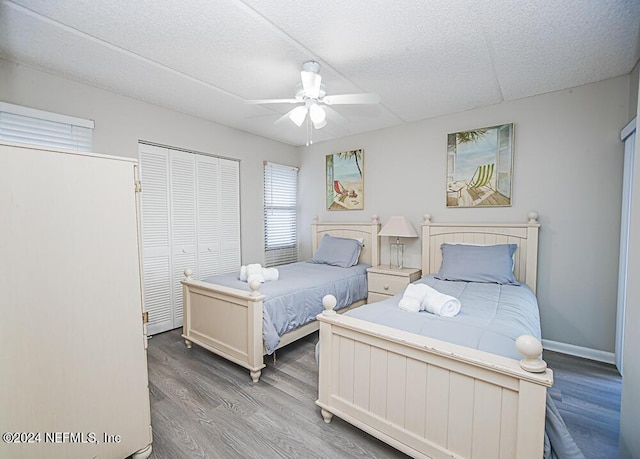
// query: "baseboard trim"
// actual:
[[579, 351]]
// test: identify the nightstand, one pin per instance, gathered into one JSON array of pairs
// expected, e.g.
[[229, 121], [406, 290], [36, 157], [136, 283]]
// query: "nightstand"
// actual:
[[384, 282]]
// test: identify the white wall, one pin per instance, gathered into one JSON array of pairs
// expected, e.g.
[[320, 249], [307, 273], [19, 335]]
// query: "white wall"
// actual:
[[567, 166], [630, 406], [120, 122]]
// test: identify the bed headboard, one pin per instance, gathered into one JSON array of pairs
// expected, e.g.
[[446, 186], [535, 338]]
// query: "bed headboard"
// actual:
[[368, 231], [524, 235]]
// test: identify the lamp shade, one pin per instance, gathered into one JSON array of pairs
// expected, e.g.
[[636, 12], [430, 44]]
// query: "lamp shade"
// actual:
[[398, 227], [298, 114]]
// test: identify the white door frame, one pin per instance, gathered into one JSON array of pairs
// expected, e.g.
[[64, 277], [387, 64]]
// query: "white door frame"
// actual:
[[627, 135]]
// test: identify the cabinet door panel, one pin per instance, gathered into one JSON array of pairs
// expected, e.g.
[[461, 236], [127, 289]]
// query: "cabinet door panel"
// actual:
[[71, 332]]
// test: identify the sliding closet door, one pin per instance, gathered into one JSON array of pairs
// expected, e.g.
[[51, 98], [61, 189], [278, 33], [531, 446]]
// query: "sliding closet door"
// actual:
[[190, 219]]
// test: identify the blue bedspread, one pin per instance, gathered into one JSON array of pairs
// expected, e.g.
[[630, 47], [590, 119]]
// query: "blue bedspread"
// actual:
[[492, 316], [295, 299]]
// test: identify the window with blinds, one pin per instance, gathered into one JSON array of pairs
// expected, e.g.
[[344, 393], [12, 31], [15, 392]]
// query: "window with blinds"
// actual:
[[37, 127], [280, 209]]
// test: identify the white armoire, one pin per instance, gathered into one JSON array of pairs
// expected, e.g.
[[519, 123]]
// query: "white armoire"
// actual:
[[73, 358], [190, 206]]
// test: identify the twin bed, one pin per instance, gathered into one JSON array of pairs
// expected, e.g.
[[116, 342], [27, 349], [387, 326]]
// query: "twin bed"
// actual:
[[462, 395], [428, 396], [243, 321]]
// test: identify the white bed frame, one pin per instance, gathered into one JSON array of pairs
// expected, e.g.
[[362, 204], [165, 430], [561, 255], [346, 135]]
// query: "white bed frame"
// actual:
[[433, 399], [228, 321]]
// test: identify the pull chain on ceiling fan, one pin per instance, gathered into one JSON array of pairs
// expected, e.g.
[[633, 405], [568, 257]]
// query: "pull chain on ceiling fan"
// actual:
[[311, 94]]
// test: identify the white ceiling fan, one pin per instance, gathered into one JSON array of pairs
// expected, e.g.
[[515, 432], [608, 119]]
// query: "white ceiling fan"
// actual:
[[313, 99]]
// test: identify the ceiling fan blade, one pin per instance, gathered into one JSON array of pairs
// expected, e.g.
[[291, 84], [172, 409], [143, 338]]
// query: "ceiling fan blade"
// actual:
[[284, 117], [311, 83], [272, 101], [351, 99], [334, 115]]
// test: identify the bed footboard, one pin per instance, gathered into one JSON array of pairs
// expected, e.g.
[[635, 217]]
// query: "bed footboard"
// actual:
[[226, 321], [429, 398]]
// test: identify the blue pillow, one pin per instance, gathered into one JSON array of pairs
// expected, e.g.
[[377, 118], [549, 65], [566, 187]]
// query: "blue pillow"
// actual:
[[337, 251], [478, 263]]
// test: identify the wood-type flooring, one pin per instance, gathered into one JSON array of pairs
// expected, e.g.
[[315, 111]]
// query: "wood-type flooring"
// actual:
[[203, 406]]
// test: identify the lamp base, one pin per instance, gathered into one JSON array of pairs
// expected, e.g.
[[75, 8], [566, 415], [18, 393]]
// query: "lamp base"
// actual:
[[396, 256]]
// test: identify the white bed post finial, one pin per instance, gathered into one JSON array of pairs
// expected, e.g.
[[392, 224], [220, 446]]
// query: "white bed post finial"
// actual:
[[328, 303], [531, 348], [426, 218], [533, 217], [187, 273], [316, 219], [254, 286], [374, 219]]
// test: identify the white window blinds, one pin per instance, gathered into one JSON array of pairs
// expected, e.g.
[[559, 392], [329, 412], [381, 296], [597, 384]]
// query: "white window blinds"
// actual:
[[37, 127], [280, 209]]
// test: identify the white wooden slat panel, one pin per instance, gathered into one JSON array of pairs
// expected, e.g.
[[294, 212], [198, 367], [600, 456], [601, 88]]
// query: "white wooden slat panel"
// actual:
[[437, 405], [460, 430], [345, 388], [229, 215], [362, 374], [208, 263], [230, 199], [207, 215], [209, 201], [378, 388], [157, 293], [416, 396], [508, 424], [154, 199], [183, 224], [180, 263], [155, 232], [229, 259], [183, 199], [185, 219], [396, 388], [486, 428]]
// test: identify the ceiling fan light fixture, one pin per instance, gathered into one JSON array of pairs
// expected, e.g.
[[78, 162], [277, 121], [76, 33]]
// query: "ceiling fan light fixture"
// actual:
[[298, 114], [320, 124], [318, 116]]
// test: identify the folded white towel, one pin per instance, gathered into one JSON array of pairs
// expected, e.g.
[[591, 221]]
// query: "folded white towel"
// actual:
[[270, 274], [259, 273], [412, 297], [439, 303], [254, 272]]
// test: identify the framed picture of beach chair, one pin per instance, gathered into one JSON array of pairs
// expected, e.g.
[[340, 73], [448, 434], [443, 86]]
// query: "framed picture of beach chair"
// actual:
[[479, 167], [345, 180]]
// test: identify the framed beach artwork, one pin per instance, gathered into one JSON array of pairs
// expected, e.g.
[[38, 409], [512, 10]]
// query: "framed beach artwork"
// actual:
[[345, 180], [479, 167]]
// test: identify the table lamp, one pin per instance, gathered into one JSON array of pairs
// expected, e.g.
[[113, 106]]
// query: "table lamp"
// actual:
[[397, 227]]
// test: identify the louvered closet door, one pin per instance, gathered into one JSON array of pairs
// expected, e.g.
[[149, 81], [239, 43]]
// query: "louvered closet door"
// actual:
[[156, 238], [218, 200], [183, 222], [190, 219], [208, 184], [229, 215]]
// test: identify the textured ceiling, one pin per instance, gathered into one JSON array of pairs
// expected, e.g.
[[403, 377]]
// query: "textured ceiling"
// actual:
[[424, 58]]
